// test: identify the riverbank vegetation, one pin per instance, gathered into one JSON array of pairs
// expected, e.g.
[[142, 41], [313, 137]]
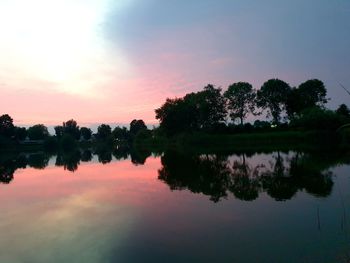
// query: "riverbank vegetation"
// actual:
[[278, 115]]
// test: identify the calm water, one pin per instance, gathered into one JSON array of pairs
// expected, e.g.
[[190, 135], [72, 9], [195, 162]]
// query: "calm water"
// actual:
[[256, 207]]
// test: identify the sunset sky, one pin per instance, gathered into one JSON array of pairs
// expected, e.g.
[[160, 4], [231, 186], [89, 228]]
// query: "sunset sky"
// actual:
[[105, 61]]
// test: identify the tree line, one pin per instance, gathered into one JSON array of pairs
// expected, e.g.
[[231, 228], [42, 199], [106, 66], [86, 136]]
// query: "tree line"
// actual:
[[211, 109], [69, 133]]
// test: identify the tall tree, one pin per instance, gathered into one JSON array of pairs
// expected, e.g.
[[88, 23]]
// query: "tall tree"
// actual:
[[20, 133], [310, 94], [273, 97], [241, 100], [211, 106], [104, 131], [313, 93], [120, 134], [71, 127], [59, 131], [201, 110], [177, 115], [343, 110], [6, 125], [136, 126], [86, 133]]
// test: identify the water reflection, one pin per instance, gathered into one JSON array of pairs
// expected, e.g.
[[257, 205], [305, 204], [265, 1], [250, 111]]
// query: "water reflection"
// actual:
[[280, 175], [243, 175]]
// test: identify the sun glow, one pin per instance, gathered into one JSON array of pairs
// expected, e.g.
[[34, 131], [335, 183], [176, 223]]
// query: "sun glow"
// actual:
[[57, 41]]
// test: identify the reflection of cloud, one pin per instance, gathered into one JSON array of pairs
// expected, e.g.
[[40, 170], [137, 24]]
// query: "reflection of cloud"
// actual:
[[75, 229], [51, 216]]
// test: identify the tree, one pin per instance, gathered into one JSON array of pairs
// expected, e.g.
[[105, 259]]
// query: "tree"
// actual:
[[309, 94], [20, 133], [86, 133], [120, 134], [273, 97], [136, 126], [210, 106], [177, 115], [319, 119], [201, 110], [241, 100], [6, 126], [71, 127], [104, 131], [38, 132], [313, 93], [59, 131], [343, 110]]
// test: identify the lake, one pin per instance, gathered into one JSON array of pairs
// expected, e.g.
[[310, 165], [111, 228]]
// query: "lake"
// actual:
[[172, 207]]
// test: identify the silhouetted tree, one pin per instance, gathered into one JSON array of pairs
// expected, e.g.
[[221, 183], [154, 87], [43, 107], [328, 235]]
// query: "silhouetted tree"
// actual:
[[318, 118], [20, 133], [86, 133], [343, 110], [59, 131], [273, 97], [309, 94], [6, 126], [71, 127], [313, 93], [136, 126], [177, 115], [201, 110], [241, 100], [121, 135], [104, 131], [210, 106], [38, 132]]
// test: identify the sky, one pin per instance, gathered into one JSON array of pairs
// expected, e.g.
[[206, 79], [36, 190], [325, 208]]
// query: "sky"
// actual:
[[105, 61]]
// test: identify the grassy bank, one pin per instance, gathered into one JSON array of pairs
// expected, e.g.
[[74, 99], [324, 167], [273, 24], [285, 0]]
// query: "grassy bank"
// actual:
[[204, 142], [267, 141]]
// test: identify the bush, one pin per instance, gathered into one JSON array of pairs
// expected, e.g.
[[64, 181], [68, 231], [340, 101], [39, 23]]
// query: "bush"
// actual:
[[317, 118]]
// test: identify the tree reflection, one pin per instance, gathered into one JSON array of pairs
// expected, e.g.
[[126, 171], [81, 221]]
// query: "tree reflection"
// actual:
[[139, 156], [218, 176], [244, 176], [207, 174], [311, 173], [244, 180], [86, 156], [38, 160], [7, 169], [69, 160]]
